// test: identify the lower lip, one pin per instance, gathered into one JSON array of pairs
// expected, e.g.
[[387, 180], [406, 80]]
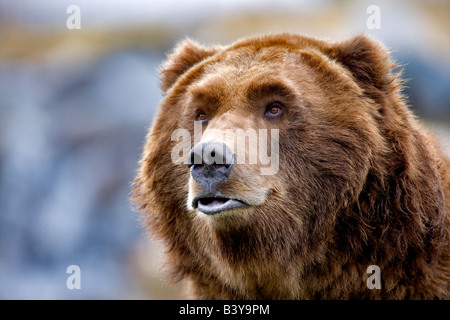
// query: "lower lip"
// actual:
[[217, 206]]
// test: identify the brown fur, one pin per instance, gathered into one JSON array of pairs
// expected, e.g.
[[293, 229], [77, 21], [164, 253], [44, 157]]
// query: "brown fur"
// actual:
[[360, 182]]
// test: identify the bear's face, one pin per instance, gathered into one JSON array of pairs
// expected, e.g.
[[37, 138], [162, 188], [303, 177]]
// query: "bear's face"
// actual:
[[262, 144], [293, 134], [243, 106]]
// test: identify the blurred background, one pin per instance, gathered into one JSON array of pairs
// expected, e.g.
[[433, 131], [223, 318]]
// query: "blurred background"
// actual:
[[75, 104]]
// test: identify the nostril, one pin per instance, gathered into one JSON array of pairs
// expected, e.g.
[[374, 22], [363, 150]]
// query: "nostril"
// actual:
[[195, 157], [219, 166], [210, 163]]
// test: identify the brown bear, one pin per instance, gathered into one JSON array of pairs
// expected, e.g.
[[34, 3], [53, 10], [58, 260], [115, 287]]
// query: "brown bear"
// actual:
[[353, 184]]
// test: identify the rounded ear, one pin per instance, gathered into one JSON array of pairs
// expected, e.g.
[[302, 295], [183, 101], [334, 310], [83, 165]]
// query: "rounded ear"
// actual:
[[185, 55], [369, 62]]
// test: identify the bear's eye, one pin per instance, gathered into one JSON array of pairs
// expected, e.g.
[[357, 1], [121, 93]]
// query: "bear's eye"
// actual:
[[274, 109], [201, 116]]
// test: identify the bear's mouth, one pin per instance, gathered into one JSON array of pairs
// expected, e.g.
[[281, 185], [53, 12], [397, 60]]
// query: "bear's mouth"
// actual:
[[214, 205]]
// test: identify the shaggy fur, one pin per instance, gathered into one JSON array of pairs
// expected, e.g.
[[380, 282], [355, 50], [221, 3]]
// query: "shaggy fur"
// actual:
[[360, 181]]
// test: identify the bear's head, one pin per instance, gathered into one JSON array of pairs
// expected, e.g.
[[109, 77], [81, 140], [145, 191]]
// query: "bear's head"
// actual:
[[262, 152]]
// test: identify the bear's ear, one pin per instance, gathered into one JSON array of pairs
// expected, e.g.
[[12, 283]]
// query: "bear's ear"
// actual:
[[369, 62], [185, 55]]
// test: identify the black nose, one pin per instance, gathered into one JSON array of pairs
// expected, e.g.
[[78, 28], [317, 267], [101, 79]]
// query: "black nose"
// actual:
[[211, 163]]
